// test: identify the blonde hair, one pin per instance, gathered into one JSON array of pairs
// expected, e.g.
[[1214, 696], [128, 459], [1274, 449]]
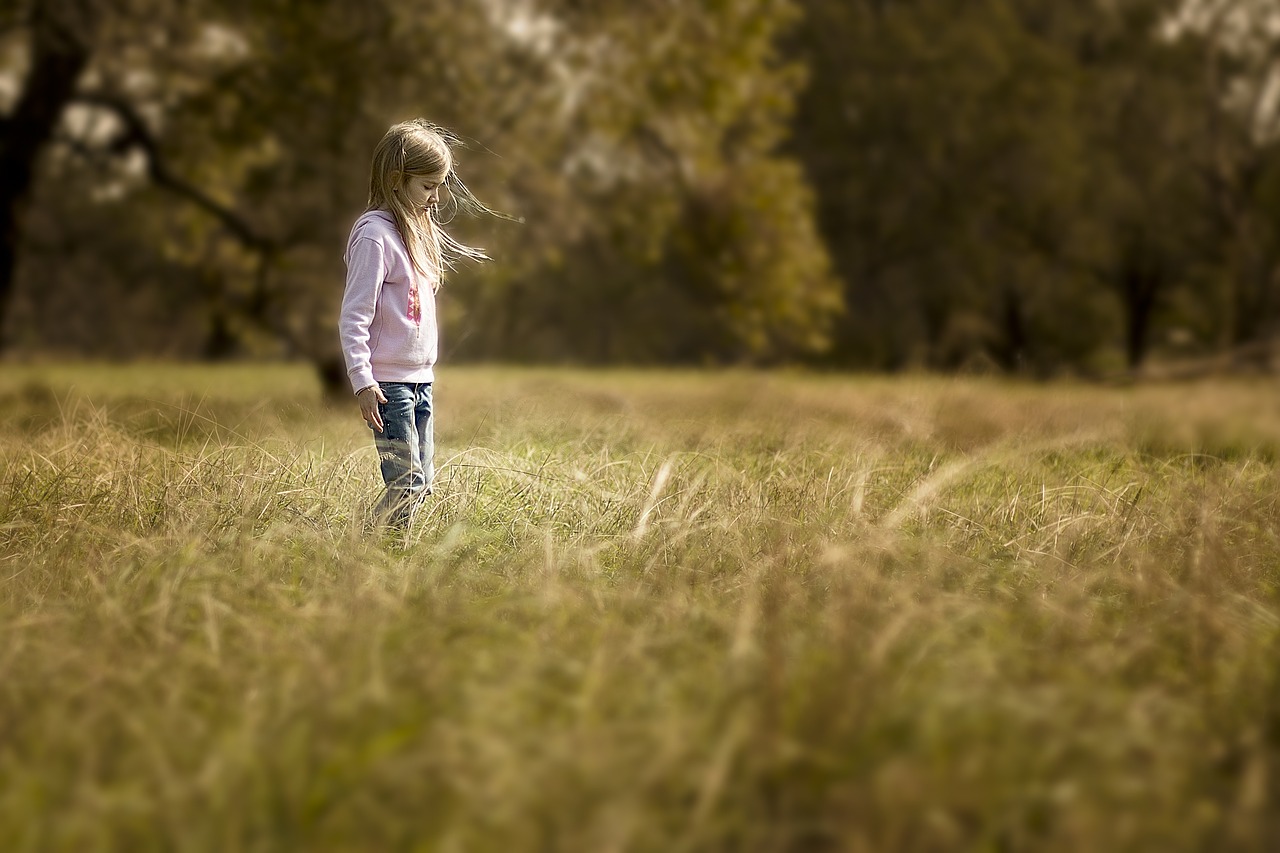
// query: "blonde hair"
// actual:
[[420, 149]]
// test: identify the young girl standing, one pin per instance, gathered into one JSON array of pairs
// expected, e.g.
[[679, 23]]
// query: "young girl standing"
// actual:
[[396, 258]]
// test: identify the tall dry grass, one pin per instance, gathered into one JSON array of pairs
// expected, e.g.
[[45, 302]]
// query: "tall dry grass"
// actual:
[[644, 611]]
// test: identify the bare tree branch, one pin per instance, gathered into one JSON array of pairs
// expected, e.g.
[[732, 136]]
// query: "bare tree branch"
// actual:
[[257, 304], [136, 134]]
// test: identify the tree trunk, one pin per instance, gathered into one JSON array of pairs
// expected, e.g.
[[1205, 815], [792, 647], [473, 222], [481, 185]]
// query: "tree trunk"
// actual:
[[58, 56], [1141, 289], [332, 372], [1011, 352]]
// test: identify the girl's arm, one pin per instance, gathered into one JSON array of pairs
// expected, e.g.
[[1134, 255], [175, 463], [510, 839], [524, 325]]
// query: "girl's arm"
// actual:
[[366, 270]]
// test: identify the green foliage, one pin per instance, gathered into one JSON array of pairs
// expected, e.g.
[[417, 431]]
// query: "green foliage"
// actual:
[[1025, 185], [952, 130], [645, 611], [676, 232], [1017, 181], [604, 133]]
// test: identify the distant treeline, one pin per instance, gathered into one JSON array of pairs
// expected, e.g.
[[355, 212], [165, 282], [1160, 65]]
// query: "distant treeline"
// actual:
[[1023, 185]]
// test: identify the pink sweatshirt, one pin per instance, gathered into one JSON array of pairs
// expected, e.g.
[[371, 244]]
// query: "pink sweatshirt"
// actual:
[[388, 320]]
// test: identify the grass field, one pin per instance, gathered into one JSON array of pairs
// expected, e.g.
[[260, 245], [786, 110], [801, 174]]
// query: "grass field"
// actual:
[[643, 612]]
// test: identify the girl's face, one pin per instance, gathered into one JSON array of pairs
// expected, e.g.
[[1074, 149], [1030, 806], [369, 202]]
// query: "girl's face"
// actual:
[[421, 192]]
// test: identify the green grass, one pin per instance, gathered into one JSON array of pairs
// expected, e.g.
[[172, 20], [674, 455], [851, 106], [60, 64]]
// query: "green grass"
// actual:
[[645, 611]]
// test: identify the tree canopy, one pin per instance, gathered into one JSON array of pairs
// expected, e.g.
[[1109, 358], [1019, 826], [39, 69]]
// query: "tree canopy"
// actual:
[[1021, 184]]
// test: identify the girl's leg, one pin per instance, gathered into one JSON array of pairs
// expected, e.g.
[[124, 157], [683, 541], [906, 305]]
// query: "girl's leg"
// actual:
[[426, 437], [399, 455]]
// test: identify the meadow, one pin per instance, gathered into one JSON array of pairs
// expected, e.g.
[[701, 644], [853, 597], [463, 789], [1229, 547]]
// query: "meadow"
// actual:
[[644, 611]]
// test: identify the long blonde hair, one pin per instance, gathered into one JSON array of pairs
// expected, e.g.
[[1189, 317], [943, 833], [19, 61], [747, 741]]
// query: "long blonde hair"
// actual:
[[419, 149]]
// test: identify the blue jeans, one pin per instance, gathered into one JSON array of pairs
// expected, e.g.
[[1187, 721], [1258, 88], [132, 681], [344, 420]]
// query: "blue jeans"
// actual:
[[405, 450]]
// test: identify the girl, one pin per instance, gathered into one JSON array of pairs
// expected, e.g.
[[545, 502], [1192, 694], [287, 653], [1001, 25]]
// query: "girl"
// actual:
[[396, 257]]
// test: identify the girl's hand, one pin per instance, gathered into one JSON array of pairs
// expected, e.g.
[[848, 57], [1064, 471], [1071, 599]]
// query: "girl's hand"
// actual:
[[369, 398]]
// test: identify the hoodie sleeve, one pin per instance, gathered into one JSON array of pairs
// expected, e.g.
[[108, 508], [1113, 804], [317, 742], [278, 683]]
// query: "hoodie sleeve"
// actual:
[[366, 270]]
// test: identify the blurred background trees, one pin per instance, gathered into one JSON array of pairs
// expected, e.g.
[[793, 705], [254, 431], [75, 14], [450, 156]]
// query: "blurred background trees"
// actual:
[[1017, 185]]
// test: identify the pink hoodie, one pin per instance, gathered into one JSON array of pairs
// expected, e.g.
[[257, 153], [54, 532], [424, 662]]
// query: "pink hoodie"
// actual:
[[388, 320]]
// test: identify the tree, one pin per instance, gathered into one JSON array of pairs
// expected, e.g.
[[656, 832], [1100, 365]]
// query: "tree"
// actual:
[[612, 131], [59, 48], [1149, 128], [675, 231], [1001, 179], [1238, 171], [948, 161]]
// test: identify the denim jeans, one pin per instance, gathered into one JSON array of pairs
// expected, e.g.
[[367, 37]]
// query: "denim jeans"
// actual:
[[405, 450]]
